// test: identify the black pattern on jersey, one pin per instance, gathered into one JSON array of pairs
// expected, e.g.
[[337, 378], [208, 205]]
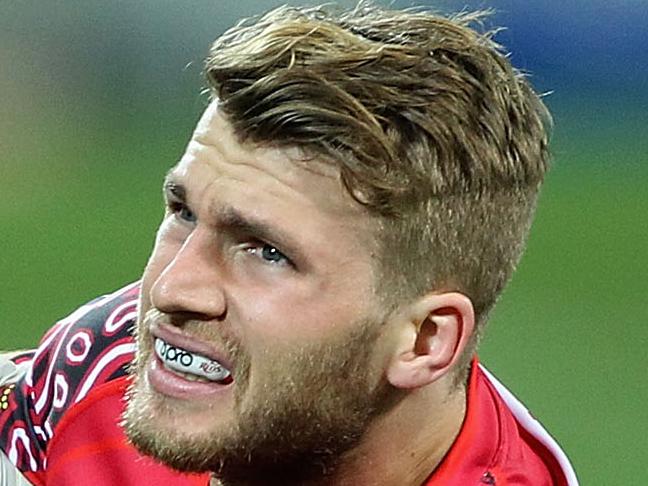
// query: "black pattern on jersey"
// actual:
[[92, 346]]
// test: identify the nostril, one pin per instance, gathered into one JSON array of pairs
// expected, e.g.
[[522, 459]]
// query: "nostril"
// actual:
[[188, 298]]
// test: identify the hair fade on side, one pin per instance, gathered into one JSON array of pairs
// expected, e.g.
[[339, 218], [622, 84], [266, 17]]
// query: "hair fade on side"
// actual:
[[431, 127]]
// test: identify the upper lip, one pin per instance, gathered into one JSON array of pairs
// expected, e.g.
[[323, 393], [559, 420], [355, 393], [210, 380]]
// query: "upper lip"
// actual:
[[176, 337]]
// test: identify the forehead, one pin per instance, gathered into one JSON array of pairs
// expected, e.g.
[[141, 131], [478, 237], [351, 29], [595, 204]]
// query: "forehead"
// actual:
[[278, 181]]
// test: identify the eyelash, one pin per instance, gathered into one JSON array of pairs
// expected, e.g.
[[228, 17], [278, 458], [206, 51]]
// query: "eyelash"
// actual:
[[260, 249], [177, 208]]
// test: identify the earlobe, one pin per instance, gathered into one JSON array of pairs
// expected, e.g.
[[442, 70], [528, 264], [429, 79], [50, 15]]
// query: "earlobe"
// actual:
[[431, 339]]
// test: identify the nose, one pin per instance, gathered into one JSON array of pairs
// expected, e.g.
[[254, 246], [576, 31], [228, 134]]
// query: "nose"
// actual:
[[191, 283]]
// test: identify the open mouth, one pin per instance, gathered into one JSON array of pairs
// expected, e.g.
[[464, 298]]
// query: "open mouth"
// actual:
[[191, 366]]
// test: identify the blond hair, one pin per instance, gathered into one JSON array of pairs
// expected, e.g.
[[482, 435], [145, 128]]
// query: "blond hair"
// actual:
[[431, 127]]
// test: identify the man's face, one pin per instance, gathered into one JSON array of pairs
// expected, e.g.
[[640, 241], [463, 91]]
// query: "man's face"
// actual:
[[260, 337]]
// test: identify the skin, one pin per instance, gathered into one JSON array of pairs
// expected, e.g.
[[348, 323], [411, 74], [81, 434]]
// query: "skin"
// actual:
[[268, 296]]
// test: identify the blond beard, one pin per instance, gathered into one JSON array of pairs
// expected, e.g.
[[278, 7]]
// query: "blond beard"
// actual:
[[311, 405]]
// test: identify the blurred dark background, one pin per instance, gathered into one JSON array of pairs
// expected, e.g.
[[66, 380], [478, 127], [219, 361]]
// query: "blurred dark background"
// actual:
[[97, 100]]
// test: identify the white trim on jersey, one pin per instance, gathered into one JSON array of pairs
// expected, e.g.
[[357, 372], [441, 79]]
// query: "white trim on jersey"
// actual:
[[114, 353], [66, 323], [533, 427]]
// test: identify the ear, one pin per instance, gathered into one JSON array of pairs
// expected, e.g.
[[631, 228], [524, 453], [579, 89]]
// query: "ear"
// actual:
[[432, 335]]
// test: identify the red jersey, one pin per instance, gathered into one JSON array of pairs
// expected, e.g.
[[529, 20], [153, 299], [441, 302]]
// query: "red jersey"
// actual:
[[59, 423]]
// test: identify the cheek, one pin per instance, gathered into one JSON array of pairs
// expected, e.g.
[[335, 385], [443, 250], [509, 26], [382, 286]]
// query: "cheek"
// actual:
[[282, 318]]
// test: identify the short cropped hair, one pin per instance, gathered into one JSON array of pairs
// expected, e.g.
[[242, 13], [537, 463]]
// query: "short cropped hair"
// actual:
[[432, 129]]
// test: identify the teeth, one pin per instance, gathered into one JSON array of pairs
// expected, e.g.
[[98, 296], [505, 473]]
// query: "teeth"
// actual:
[[191, 366]]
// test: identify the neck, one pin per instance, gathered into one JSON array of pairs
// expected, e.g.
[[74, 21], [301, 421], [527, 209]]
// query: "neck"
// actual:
[[401, 447]]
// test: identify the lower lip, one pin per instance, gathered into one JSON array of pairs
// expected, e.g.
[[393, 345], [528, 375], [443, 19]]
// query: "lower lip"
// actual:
[[168, 383]]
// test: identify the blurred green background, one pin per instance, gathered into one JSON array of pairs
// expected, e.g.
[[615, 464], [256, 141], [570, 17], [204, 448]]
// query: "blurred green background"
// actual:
[[97, 100]]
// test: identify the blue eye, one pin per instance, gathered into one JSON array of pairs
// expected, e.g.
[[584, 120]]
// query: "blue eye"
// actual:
[[187, 214], [182, 211], [271, 254]]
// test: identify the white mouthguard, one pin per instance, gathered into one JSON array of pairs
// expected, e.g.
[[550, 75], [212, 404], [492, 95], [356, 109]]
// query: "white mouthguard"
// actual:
[[184, 361]]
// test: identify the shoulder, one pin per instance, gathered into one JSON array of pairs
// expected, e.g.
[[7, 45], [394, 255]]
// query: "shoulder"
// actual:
[[526, 448], [92, 346], [501, 443]]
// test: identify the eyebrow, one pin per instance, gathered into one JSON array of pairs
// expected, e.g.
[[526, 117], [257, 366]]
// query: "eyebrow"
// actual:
[[174, 188], [231, 220]]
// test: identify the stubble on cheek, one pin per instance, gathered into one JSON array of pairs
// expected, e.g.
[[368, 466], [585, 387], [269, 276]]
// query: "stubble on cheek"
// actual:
[[175, 431], [306, 407], [300, 407], [139, 399]]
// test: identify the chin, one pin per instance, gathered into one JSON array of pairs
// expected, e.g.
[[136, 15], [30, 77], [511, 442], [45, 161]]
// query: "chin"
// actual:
[[173, 416], [162, 428]]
